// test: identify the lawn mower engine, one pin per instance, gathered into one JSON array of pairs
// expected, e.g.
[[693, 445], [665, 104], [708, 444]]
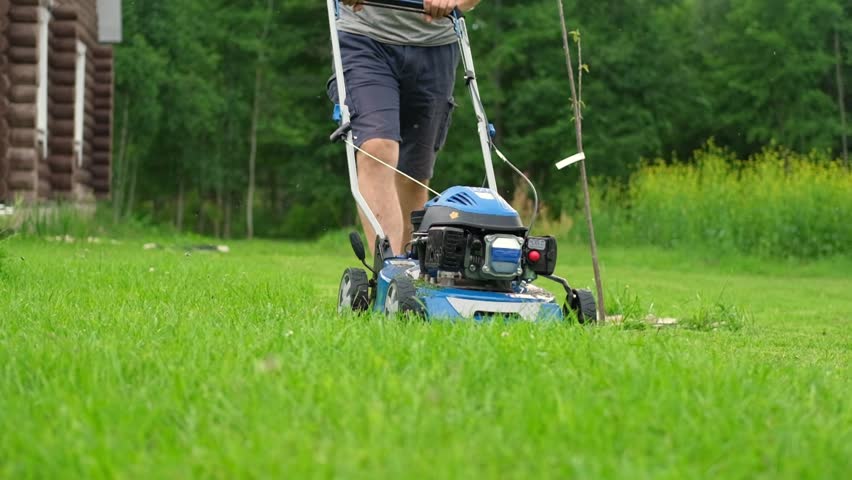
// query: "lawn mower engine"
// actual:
[[471, 238], [469, 258]]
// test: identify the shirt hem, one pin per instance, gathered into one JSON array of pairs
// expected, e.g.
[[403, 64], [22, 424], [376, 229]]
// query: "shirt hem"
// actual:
[[394, 42]]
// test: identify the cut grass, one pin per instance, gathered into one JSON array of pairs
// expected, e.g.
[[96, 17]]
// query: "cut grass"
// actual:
[[120, 362]]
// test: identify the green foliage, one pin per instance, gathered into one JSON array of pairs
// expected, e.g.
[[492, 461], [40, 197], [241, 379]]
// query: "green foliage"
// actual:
[[774, 204], [775, 77], [660, 78]]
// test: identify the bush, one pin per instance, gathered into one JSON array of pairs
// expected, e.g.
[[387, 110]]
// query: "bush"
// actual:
[[775, 204]]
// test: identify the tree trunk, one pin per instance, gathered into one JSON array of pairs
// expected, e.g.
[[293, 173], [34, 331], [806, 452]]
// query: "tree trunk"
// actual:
[[131, 194], [226, 228], [841, 98], [254, 120], [217, 223], [180, 206], [273, 192], [121, 170], [253, 157], [199, 215], [578, 124]]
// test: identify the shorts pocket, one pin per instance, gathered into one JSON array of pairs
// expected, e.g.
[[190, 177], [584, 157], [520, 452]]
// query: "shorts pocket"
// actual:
[[331, 88], [446, 119]]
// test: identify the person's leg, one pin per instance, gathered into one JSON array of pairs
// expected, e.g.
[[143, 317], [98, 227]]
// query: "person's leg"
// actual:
[[377, 185], [427, 105], [373, 88], [412, 197]]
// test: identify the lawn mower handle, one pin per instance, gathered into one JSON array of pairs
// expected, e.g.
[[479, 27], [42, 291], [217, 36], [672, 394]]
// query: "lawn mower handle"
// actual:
[[416, 5], [406, 5]]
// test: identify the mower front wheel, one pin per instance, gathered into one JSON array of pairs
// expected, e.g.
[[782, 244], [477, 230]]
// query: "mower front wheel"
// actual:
[[402, 298], [354, 293], [583, 305]]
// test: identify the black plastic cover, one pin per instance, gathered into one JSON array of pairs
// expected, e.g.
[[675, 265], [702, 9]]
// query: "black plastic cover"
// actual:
[[417, 219], [546, 247], [445, 249]]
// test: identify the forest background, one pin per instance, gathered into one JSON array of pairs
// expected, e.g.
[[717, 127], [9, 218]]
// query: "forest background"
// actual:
[[208, 91]]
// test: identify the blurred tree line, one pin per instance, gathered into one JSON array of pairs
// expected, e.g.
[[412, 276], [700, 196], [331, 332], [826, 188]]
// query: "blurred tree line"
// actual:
[[204, 87]]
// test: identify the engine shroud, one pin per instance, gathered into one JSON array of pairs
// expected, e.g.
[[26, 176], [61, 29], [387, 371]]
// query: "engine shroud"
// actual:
[[474, 208]]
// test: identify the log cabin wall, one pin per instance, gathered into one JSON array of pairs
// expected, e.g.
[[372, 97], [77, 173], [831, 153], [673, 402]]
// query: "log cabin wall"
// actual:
[[104, 87], [75, 164], [25, 173], [62, 74], [4, 98]]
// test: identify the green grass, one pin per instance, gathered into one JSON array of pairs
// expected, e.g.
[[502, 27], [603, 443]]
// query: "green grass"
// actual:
[[116, 362]]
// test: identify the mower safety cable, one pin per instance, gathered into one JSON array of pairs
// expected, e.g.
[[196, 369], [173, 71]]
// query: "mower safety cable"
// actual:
[[529, 182], [368, 154]]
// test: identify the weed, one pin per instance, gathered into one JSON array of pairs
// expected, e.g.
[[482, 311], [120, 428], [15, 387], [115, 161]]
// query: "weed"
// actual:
[[624, 303], [716, 315]]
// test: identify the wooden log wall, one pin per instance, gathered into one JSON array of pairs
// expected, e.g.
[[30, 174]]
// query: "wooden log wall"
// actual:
[[103, 116], [27, 175], [61, 93], [23, 170], [5, 86], [95, 175]]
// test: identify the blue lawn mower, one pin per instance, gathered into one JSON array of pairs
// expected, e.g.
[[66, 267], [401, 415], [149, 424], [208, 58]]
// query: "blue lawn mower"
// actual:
[[470, 255]]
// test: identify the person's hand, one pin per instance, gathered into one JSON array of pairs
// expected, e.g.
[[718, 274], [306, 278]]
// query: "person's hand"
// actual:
[[355, 4], [439, 8]]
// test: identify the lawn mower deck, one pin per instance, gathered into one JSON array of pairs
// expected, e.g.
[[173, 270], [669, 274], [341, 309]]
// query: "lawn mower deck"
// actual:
[[400, 291]]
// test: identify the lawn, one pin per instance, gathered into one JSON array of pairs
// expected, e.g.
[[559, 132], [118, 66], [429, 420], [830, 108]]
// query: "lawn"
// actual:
[[120, 362]]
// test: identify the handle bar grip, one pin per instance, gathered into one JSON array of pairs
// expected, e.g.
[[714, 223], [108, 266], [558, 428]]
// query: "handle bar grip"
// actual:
[[416, 5], [407, 5]]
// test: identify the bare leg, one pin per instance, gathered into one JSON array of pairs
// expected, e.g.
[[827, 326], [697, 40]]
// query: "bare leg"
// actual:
[[411, 198], [378, 187]]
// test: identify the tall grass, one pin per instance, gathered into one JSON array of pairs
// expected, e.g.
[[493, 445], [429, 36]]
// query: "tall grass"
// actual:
[[774, 204], [58, 219], [5, 232], [3, 256]]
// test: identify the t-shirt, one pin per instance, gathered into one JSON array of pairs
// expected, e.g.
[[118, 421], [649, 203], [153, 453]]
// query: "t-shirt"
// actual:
[[395, 27]]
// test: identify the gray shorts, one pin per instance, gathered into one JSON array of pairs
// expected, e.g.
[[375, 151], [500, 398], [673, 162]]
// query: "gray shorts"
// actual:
[[402, 93]]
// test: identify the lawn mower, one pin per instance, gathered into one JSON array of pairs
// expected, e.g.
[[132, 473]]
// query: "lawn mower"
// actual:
[[470, 255]]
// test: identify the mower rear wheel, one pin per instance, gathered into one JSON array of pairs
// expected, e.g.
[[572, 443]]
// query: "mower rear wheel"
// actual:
[[402, 298], [354, 293], [583, 305]]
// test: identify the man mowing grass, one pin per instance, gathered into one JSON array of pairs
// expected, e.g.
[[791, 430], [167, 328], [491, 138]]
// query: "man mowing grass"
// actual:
[[400, 72]]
